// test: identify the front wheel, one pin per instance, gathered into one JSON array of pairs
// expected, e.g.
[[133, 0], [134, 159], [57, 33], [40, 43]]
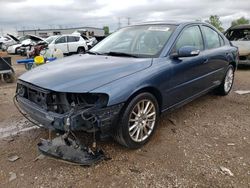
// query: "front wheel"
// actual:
[[138, 121], [227, 82], [9, 77]]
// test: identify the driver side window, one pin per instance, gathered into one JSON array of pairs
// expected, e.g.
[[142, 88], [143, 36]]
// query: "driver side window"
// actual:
[[191, 36], [60, 40]]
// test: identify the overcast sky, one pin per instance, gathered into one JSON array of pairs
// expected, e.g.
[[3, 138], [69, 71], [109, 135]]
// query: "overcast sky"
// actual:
[[29, 14]]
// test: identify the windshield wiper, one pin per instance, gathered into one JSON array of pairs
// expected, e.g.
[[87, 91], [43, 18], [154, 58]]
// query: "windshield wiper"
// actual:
[[112, 54], [120, 54]]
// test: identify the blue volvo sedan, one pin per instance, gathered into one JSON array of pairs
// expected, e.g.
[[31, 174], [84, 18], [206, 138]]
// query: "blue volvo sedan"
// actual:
[[121, 86]]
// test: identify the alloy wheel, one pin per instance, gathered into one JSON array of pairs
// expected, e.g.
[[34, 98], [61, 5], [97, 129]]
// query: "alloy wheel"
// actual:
[[229, 80], [142, 120]]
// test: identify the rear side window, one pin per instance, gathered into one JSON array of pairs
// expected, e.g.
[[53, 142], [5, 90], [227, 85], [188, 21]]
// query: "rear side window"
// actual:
[[211, 37], [191, 36], [73, 39]]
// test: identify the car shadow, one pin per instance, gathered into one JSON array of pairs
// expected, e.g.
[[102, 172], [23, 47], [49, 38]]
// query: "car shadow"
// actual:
[[244, 67]]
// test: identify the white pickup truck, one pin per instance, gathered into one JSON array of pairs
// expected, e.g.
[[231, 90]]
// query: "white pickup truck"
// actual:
[[69, 44]]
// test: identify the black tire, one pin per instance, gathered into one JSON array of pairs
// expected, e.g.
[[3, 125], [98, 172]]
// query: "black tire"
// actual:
[[9, 77], [121, 134], [81, 50], [221, 90]]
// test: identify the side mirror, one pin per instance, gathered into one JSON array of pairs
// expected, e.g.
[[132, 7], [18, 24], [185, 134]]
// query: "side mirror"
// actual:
[[186, 51]]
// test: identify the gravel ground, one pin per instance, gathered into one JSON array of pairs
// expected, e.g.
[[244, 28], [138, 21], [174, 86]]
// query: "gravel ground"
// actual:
[[206, 143]]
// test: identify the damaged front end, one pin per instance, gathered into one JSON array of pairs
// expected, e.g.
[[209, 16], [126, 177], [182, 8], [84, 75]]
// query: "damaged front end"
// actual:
[[68, 112], [55, 110]]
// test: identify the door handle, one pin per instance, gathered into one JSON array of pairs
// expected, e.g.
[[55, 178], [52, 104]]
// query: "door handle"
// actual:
[[205, 61]]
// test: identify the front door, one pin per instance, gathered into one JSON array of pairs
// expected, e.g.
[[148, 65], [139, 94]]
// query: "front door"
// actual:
[[187, 72], [61, 43]]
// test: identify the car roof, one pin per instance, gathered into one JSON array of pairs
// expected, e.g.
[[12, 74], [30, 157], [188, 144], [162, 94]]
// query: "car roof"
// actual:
[[170, 22], [75, 35], [244, 26]]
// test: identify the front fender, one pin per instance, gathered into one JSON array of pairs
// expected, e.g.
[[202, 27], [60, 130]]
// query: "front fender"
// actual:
[[119, 90]]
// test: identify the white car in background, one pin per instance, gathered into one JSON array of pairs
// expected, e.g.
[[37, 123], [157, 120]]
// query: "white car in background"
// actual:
[[91, 40], [69, 44], [12, 49], [7, 41], [2, 39]]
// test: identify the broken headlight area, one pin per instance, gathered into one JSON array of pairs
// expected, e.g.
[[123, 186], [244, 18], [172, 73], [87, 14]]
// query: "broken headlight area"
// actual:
[[60, 102]]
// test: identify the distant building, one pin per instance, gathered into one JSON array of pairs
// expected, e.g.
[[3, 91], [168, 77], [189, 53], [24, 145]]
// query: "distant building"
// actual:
[[97, 32]]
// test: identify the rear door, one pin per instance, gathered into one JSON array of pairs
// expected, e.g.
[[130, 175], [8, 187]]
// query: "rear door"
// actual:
[[61, 43], [187, 78], [73, 43], [217, 56]]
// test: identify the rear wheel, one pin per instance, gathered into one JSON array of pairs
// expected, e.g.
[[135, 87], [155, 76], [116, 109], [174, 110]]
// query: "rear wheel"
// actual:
[[138, 121], [81, 50], [227, 82]]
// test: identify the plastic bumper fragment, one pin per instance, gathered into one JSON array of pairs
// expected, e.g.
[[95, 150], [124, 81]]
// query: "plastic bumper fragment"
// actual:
[[69, 150]]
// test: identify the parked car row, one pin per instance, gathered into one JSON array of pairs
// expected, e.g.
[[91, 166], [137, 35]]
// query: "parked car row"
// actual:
[[68, 44]]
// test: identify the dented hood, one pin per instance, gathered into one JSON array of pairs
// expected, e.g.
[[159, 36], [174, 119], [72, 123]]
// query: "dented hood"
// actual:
[[244, 47], [83, 73]]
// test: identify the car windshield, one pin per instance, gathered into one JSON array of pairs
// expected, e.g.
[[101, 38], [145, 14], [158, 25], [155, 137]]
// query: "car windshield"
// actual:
[[23, 38], [50, 39], [238, 34], [136, 41]]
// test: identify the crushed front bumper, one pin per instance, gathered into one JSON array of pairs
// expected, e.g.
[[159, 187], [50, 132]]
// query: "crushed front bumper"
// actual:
[[105, 117]]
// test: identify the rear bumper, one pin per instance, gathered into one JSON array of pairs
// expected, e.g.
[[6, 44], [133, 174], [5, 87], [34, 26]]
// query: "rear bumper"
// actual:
[[50, 120]]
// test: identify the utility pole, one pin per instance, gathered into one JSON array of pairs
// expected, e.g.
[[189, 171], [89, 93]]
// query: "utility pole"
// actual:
[[119, 23], [128, 18]]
